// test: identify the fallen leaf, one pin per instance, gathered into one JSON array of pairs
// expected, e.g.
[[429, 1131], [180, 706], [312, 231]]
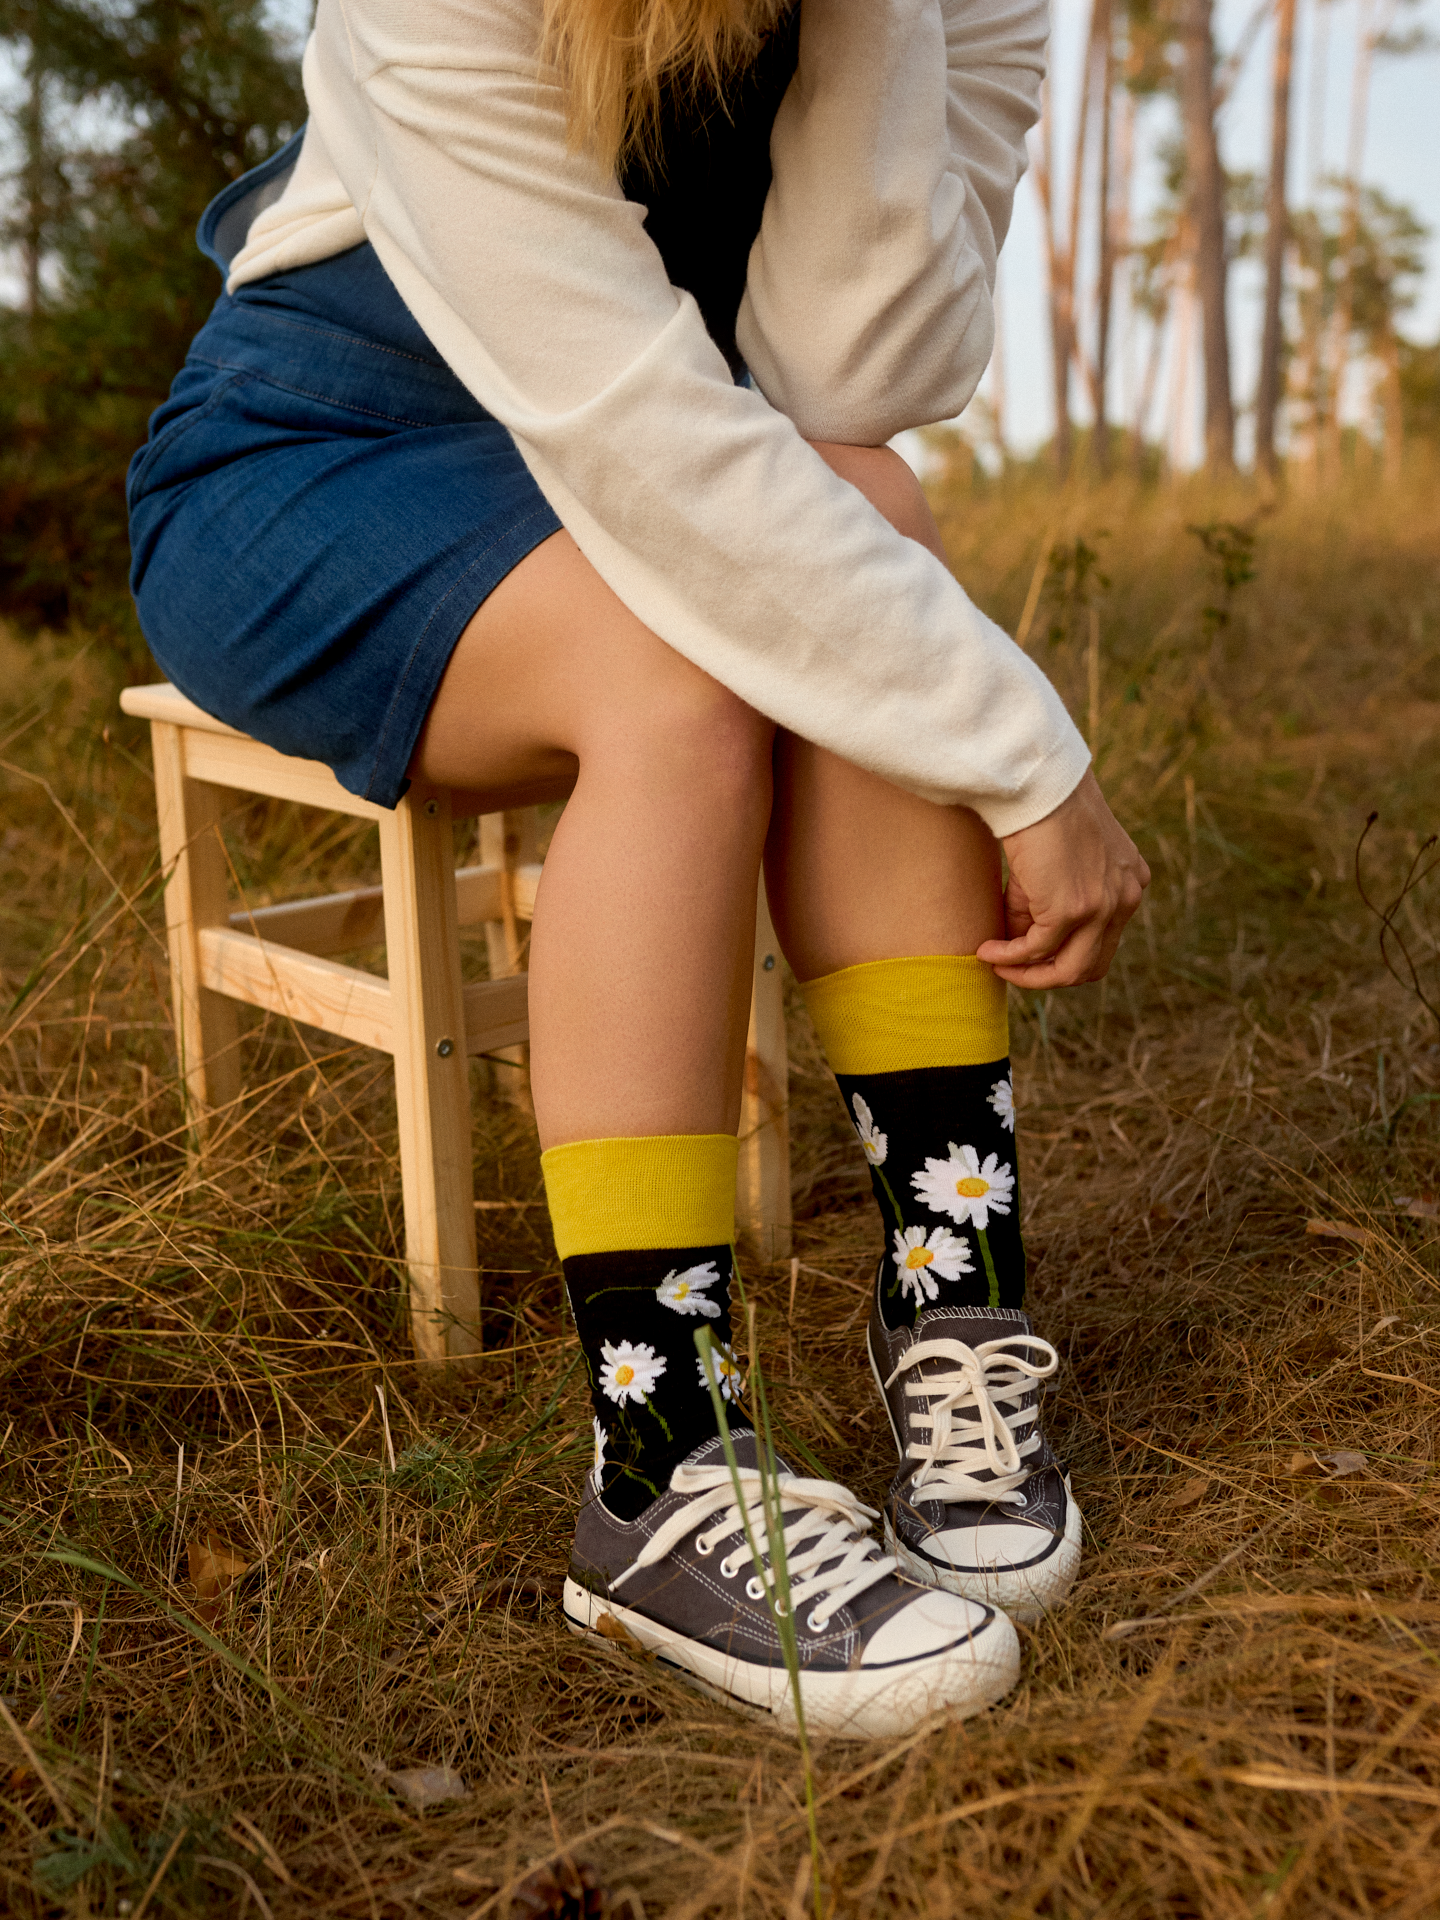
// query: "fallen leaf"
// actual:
[[609, 1628], [1192, 1490], [1338, 1465], [1424, 1209], [214, 1569], [1303, 1463], [428, 1786], [1339, 1230], [1385, 1320]]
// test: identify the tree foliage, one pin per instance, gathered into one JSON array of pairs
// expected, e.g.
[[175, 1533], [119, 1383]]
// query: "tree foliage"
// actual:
[[146, 109]]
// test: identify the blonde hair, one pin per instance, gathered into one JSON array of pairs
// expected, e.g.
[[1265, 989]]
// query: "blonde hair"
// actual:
[[613, 57]]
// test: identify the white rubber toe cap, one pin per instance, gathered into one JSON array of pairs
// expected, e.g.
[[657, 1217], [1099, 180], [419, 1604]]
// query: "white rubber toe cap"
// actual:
[[931, 1623], [991, 1548]]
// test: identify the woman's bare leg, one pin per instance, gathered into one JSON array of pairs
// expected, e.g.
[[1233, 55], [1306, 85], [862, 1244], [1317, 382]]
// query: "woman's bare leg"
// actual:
[[855, 868], [641, 951]]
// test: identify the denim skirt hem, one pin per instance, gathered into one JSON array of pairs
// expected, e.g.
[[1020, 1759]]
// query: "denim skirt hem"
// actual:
[[318, 512]]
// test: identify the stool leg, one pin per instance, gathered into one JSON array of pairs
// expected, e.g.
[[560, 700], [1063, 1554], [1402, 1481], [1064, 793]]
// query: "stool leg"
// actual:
[[207, 1031], [763, 1185], [509, 840], [432, 1082]]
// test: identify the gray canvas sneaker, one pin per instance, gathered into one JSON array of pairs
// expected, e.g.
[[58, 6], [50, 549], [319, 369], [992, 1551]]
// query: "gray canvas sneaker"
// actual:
[[877, 1654], [980, 1505]]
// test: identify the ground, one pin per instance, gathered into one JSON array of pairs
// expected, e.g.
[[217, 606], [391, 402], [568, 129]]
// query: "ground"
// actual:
[[1231, 1152]]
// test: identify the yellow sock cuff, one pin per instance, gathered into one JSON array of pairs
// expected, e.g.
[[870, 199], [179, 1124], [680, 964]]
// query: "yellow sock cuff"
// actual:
[[662, 1190], [937, 1010]]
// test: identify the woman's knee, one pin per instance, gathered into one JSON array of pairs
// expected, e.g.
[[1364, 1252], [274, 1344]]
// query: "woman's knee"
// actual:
[[890, 486], [682, 729]]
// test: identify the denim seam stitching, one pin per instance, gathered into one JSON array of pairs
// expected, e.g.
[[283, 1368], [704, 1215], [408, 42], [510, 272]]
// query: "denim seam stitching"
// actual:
[[536, 513], [175, 431], [325, 399], [340, 333]]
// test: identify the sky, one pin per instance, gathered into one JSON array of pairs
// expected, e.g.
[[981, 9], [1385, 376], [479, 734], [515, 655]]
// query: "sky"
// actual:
[[1401, 155]]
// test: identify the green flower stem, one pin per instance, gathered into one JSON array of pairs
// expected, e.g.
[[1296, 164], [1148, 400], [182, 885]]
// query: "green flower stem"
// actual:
[[990, 1274], [664, 1423], [890, 1195]]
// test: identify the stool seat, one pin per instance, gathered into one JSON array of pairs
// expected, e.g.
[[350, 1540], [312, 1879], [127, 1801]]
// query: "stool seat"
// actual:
[[421, 1013]]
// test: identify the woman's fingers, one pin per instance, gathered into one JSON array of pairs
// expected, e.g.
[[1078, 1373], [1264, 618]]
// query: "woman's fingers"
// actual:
[[1076, 878]]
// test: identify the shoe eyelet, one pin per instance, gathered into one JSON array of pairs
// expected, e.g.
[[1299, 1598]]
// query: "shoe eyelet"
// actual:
[[704, 1546], [727, 1571], [753, 1589], [814, 1622]]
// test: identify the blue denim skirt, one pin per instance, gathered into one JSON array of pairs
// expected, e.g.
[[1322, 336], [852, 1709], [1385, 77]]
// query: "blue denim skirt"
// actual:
[[318, 511]]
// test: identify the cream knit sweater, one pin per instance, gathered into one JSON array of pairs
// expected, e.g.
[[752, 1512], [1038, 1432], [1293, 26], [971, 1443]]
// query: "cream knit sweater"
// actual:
[[435, 135]]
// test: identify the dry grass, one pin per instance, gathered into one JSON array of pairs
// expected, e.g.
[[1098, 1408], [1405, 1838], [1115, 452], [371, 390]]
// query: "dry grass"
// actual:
[[1238, 1714]]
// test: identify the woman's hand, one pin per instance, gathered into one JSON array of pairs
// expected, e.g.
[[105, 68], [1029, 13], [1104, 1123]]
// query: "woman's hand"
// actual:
[[1075, 879]]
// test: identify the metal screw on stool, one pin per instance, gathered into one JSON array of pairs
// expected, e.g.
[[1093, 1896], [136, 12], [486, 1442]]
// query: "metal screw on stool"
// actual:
[[768, 963], [444, 1048], [432, 807]]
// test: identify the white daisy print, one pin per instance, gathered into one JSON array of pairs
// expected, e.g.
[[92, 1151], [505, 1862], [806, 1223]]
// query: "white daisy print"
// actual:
[[964, 1189], [875, 1143], [1002, 1099], [630, 1371], [921, 1260], [730, 1379], [685, 1292], [600, 1439]]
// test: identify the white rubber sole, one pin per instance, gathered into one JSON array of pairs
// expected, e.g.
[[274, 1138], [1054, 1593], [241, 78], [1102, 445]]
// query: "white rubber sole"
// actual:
[[1025, 1593], [865, 1703]]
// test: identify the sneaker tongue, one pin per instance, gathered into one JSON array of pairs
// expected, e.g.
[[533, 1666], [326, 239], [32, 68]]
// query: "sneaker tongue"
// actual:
[[973, 1325], [711, 1453]]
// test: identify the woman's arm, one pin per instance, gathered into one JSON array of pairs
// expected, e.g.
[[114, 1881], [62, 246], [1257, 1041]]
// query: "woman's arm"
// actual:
[[697, 503], [897, 153]]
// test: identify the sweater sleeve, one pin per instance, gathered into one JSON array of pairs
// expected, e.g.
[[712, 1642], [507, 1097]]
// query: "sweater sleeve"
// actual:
[[896, 156], [696, 501]]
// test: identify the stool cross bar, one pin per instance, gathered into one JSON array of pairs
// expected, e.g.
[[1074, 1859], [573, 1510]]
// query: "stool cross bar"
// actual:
[[280, 958]]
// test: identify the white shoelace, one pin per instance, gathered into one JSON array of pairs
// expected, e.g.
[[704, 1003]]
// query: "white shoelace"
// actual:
[[956, 1451], [829, 1550]]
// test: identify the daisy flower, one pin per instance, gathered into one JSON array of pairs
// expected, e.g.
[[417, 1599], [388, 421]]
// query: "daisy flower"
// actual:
[[600, 1438], [1002, 1099], [964, 1189], [630, 1371], [685, 1292], [875, 1143], [920, 1260], [729, 1377]]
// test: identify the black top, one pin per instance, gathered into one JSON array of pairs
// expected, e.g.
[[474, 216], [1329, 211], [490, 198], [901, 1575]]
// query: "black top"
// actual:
[[705, 189]]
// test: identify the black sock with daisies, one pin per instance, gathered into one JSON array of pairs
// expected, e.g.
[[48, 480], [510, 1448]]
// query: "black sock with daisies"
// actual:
[[920, 1051], [638, 1303]]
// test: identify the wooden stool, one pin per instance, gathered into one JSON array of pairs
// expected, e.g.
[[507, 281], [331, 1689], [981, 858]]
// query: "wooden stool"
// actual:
[[421, 1014]]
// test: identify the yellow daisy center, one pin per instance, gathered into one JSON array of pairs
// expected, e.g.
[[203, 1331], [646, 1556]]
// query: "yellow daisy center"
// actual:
[[624, 1375], [972, 1186], [918, 1257], [682, 1289]]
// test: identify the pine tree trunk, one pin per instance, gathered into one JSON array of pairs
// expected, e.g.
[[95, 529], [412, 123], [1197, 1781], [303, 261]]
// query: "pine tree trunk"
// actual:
[[1345, 265], [32, 175], [1277, 227], [1207, 206], [1105, 79], [1060, 269], [1392, 402]]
